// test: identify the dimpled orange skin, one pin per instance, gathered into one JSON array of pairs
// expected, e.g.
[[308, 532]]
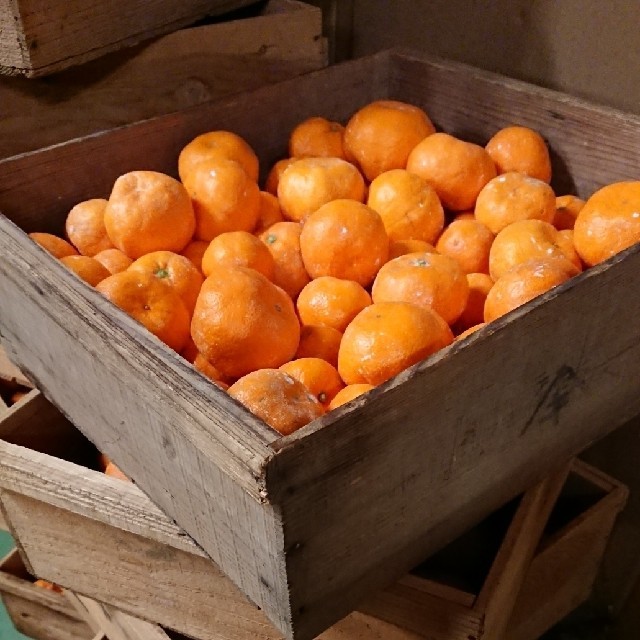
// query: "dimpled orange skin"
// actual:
[[317, 138], [239, 249], [347, 394], [468, 242], [276, 398], [114, 260], [56, 246], [318, 376], [345, 239], [520, 149], [243, 322], [308, 183], [319, 341], [224, 198], [608, 223], [85, 227], [408, 206], [567, 210], [380, 136], [386, 338], [511, 197], [526, 240], [429, 280], [86, 268], [523, 283], [479, 286], [456, 169], [151, 303], [149, 211]]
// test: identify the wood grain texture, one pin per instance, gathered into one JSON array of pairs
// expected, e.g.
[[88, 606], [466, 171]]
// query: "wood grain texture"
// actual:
[[59, 35], [9, 371], [12, 44], [198, 64]]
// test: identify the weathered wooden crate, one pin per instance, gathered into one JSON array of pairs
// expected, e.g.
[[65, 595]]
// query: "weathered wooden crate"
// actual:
[[310, 524], [40, 37], [197, 64]]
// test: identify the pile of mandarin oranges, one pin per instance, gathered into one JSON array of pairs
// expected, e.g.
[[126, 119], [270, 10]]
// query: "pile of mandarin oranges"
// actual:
[[370, 247]]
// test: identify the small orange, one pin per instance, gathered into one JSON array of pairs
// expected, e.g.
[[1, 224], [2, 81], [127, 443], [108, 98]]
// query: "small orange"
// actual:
[[347, 394], [85, 227], [307, 184], [239, 249], [468, 242], [567, 210], [319, 341], [49, 586], [194, 251], [464, 215], [115, 472], [57, 247], [149, 211], [608, 223], [520, 149], [270, 212], [202, 365], [243, 322], [278, 399], [513, 196], [456, 169], [428, 280], [275, 173], [16, 396], [469, 331], [150, 302], [386, 338], [402, 247], [190, 352], [332, 302], [86, 268], [114, 260], [317, 138], [479, 286], [318, 376], [345, 239], [224, 198], [408, 206], [380, 135], [523, 283], [175, 271], [283, 241], [218, 144]]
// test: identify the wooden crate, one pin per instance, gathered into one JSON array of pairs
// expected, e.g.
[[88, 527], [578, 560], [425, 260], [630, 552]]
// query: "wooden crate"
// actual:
[[40, 37], [198, 64], [37, 612], [309, 524]]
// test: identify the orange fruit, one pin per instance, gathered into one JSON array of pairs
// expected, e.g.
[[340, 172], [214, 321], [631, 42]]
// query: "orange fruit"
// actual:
[[528, 239], [307, 184], [278, 399], [16, 396], [347, 394], [283, 241], [520, 149], [175, 271], [470, 330], [456, 169], [49, 586], [224, 198], [85, 227], [318, 376], [608, 223], [345, 239], [270, 212], [152, 303], [428, 280], [523, 283], [468, 242], [114, 260], [464, 215], [238, 249], [202, 365], [275, 173], [115, 472], [513, 196], [399, 248], [194, 251], [190, 352], [386, 338], [332, 302], [479, 286], [408, 206], [148, 211], [319, 341], [243, 322], [317, 138], [380, 136], [86, 268], [567, 210], [57, 247], [218, 144]]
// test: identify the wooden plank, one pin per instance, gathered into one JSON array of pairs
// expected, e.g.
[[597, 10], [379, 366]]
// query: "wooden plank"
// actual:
[[9, 371], [12, 43], [198, 64]]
